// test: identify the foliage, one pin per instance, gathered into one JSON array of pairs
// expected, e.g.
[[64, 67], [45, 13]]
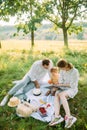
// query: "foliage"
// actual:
[[30, 13], [44, 32], [27, 15], [3, 13], [31, 21], [80, 35], [13, 66]]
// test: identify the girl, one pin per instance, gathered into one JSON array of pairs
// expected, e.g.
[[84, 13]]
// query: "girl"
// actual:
[[53, 81]]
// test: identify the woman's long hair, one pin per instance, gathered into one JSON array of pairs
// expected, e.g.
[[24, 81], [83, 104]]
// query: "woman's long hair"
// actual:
[[63, 63]]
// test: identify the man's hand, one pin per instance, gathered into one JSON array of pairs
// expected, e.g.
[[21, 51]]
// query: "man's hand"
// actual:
[[37, 86]]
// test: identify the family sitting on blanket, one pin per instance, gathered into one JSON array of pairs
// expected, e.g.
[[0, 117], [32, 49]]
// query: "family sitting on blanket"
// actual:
[[67, 80]]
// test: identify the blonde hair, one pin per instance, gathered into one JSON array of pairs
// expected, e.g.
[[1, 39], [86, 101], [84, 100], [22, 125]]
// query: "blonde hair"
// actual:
[[54, 69]]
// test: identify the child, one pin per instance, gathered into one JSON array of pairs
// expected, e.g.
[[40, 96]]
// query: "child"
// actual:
[[53, 81]]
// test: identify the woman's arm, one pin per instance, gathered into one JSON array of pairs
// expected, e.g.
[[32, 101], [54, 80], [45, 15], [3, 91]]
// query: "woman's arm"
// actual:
[[74, 79]]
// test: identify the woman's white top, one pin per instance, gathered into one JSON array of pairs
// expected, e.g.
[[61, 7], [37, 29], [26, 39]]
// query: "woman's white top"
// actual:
[[70, 77], [37, 71]]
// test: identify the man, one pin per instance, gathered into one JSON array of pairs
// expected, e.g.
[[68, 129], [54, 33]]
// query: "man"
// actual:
[[32, 79]]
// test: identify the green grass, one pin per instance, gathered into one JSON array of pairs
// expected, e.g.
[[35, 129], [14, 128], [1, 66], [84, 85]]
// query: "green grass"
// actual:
[[13, 66]]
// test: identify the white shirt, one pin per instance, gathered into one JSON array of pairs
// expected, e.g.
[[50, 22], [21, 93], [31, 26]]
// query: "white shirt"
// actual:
[[70, 77], [37, 71]]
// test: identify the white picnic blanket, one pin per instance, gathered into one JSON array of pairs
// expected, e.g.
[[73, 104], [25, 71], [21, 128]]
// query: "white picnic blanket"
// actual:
[[41, 100]]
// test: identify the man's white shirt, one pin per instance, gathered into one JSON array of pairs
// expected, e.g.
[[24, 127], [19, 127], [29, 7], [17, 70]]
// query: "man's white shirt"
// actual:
[[38, 72]]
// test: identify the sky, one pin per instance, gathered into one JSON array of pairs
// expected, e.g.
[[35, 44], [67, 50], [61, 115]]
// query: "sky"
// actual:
[[11, 22]]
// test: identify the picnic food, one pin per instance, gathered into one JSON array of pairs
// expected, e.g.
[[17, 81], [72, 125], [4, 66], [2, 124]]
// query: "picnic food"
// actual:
[[36, 91], [42, 111]]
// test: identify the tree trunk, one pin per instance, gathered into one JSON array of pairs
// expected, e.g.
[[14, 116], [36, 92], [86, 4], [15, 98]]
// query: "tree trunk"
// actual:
[[0, 45], [65, 36], [32, 38]]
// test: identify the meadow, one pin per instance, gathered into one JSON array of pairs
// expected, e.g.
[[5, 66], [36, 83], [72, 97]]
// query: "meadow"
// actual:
[[43, 45], [16, 58]]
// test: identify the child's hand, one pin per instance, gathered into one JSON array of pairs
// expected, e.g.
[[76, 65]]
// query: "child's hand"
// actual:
[[49, 81], [55, 83]]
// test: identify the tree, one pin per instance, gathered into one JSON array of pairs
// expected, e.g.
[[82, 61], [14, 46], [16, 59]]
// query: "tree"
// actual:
[[3, 15], [26, 12], [29, 24], [0, 45], [63, 13]]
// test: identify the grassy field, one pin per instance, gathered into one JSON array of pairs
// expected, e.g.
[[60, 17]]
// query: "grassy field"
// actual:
[[43, 45], [15, 60]]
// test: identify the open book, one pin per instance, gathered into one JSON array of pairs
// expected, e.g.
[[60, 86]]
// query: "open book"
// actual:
[[57, 86]]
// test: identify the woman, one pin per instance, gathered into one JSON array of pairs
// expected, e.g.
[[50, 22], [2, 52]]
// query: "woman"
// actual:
[[68, 83]]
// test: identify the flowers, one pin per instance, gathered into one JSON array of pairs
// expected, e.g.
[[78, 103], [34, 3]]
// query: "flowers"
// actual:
[[48, 105]]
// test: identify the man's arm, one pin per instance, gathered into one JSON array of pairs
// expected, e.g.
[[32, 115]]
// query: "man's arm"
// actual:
[[33, 71], [36, 84]]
